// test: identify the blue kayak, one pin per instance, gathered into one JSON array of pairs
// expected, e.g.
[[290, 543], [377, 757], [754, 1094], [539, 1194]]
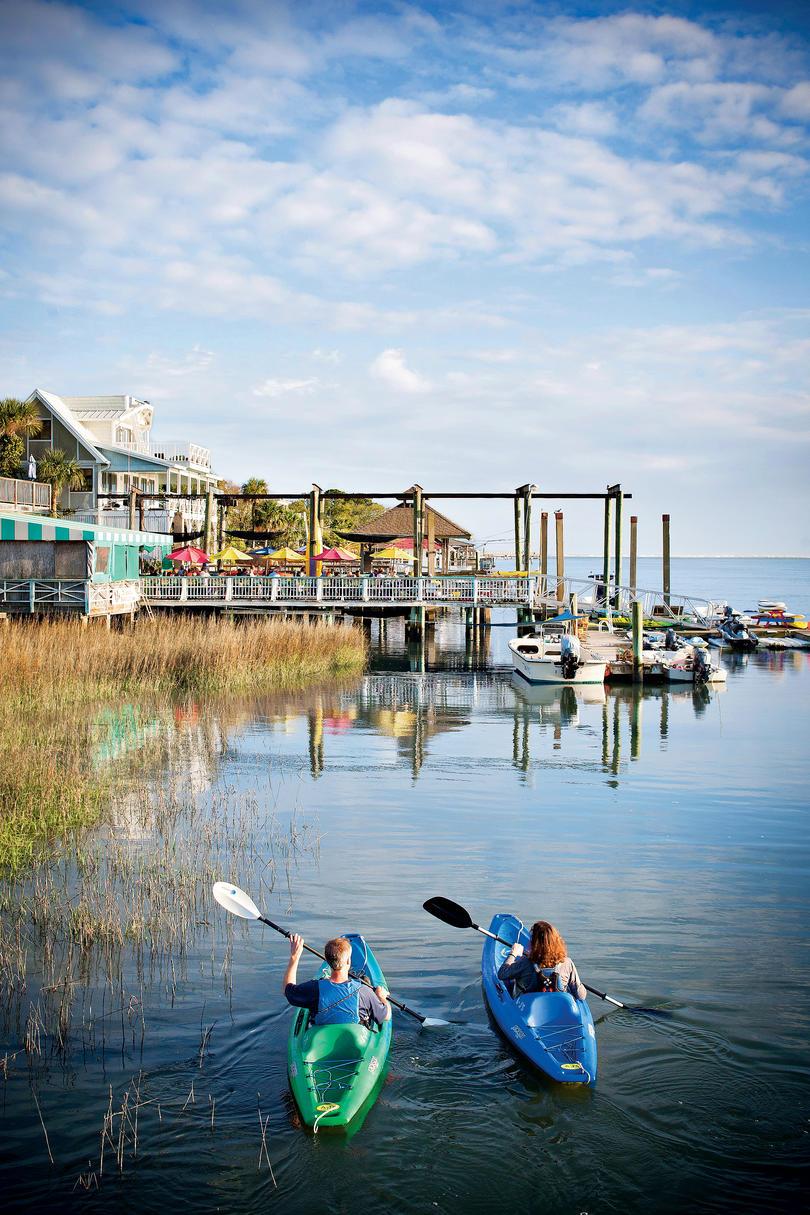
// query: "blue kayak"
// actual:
[[552, 1030]]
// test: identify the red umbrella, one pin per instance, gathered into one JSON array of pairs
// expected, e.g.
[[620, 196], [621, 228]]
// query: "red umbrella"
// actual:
[[190, 554], [335, 554]]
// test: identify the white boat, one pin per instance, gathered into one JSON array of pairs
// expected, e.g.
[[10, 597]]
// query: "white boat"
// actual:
[[692, 667], [538, 658]]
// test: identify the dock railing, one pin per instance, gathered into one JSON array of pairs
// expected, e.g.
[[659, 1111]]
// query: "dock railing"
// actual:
[[18, 494], [519, 590]]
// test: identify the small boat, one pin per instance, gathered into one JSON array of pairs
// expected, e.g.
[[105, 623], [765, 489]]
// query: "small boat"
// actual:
[[556, 657], [552, 1030], [336, 1071], [734, 632], [692, 666]]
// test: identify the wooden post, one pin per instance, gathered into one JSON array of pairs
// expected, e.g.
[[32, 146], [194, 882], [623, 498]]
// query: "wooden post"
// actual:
[[633, 556], [544, 551], [418, 525], [637, 619], [431, 542], [558, 520], [445, 556], [527, 527], [606, 550], [617, 566], [666, 567], [517, 529], [315, 537], [210, 522], [133, 509]]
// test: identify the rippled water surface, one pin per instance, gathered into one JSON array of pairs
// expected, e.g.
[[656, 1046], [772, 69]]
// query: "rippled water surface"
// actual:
[[664, 832]]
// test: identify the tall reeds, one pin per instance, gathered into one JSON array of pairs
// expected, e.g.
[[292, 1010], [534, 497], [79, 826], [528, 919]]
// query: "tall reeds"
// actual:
[[55, 677]]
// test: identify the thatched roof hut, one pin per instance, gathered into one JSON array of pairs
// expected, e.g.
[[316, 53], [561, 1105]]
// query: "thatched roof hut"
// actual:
[[398, 521]]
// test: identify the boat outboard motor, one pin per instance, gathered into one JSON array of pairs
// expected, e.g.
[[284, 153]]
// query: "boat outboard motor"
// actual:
[[671, 640], [701, 665], [570, 655]]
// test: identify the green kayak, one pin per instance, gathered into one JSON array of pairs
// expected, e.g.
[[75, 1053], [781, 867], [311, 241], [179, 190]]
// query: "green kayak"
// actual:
[[337, 1070]]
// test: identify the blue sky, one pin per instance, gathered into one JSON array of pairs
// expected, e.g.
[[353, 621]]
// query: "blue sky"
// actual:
[[469, 244]]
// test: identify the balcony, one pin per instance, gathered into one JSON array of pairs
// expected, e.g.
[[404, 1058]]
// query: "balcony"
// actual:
[[176, 452], [25, 495], [190, 454]]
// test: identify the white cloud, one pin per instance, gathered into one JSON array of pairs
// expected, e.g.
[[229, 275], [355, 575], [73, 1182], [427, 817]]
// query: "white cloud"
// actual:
[[282, 388], [389, 367]]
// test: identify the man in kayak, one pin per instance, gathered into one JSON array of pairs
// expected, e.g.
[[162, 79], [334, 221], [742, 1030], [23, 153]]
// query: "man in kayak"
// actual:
[[546, 967], [338, 999]]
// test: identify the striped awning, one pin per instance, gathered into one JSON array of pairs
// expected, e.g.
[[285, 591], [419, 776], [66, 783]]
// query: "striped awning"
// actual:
[[14, 526]]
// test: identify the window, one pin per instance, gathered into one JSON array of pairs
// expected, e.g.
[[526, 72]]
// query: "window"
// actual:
[[45, 432], [87, 482], [123, 434]]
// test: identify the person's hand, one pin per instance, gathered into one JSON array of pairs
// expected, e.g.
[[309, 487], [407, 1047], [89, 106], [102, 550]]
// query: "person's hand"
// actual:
[[382, 992], [517, 950], [296, 946]]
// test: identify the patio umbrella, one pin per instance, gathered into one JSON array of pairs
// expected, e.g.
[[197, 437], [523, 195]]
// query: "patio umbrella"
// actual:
[[190, 554], [392, 554], [336, 554], [286, 556], [230, 555]]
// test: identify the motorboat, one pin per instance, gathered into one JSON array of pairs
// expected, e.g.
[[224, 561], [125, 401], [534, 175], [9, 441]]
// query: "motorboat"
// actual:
[[734, 632], [555, 657], [693, 667]]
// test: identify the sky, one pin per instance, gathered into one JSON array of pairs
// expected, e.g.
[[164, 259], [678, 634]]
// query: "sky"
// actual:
[[469, 245]]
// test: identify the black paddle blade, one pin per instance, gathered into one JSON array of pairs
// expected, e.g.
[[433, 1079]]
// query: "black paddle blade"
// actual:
[[448, 911]]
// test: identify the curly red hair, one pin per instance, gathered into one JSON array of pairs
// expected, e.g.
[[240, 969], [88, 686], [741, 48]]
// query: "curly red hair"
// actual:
[[547, 947]]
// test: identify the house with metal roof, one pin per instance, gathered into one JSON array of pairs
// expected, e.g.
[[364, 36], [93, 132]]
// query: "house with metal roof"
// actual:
[[110, 437]]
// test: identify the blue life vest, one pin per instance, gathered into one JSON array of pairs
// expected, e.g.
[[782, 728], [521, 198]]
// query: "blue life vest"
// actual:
[[338, 1003]]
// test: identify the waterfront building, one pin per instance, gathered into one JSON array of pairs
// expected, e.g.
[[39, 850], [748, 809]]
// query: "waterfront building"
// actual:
[[110, 437]]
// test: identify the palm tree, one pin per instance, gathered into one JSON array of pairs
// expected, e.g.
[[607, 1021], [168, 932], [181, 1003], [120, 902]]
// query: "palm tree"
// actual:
[[60, 472], [17, 419]]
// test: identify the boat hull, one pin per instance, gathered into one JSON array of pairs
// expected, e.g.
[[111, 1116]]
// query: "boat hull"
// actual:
[[336, 1071], [547, 669], [552, 1031]]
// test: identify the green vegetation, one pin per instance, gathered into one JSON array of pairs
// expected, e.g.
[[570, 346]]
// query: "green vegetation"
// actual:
[[287, 522], [17, 419], [60, 472], [53, 676]]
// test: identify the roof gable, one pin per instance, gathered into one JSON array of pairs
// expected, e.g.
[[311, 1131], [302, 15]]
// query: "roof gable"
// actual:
[[60, 410]]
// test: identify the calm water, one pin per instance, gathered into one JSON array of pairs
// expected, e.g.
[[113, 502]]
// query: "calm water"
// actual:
[[666, 834]]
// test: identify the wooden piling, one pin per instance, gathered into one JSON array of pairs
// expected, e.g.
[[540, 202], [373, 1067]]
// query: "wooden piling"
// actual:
[[617, 565], [517, 529], [667, 588], [209, 531], [633, 555], [431, 542], [637, 624], [418, 529], [133, 509], [558, 522], [544, 552], [606, 550], [315, 537], [527, 527]]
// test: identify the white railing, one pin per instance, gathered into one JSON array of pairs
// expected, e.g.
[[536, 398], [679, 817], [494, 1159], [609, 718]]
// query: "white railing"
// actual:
[[477, 591], [180, 452], [43, 594], [340, 590], [24, 495]]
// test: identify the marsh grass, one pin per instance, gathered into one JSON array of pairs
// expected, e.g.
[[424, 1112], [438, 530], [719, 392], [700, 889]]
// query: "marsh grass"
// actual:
[[55, 676]]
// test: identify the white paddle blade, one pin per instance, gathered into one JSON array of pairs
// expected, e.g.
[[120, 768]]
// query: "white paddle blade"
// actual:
[[434, 1023], [236, 901]]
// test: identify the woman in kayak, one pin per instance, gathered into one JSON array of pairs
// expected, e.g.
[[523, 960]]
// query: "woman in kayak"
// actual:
[[546, 967]]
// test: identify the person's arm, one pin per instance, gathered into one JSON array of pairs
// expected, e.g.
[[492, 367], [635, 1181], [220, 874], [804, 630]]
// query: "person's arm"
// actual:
[[515, 952], [384, 1007], [575, 985], [291, 973]]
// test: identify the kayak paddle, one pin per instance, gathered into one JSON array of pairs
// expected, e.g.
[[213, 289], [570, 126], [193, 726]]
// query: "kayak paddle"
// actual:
[[458, 917], [238, 903]]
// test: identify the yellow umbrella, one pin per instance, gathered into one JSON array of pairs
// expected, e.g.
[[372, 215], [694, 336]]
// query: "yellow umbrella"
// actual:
[[286, 556], [392, 554], [230, 555]]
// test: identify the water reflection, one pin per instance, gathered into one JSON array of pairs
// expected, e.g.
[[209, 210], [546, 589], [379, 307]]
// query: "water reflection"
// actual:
[[523, 727]]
